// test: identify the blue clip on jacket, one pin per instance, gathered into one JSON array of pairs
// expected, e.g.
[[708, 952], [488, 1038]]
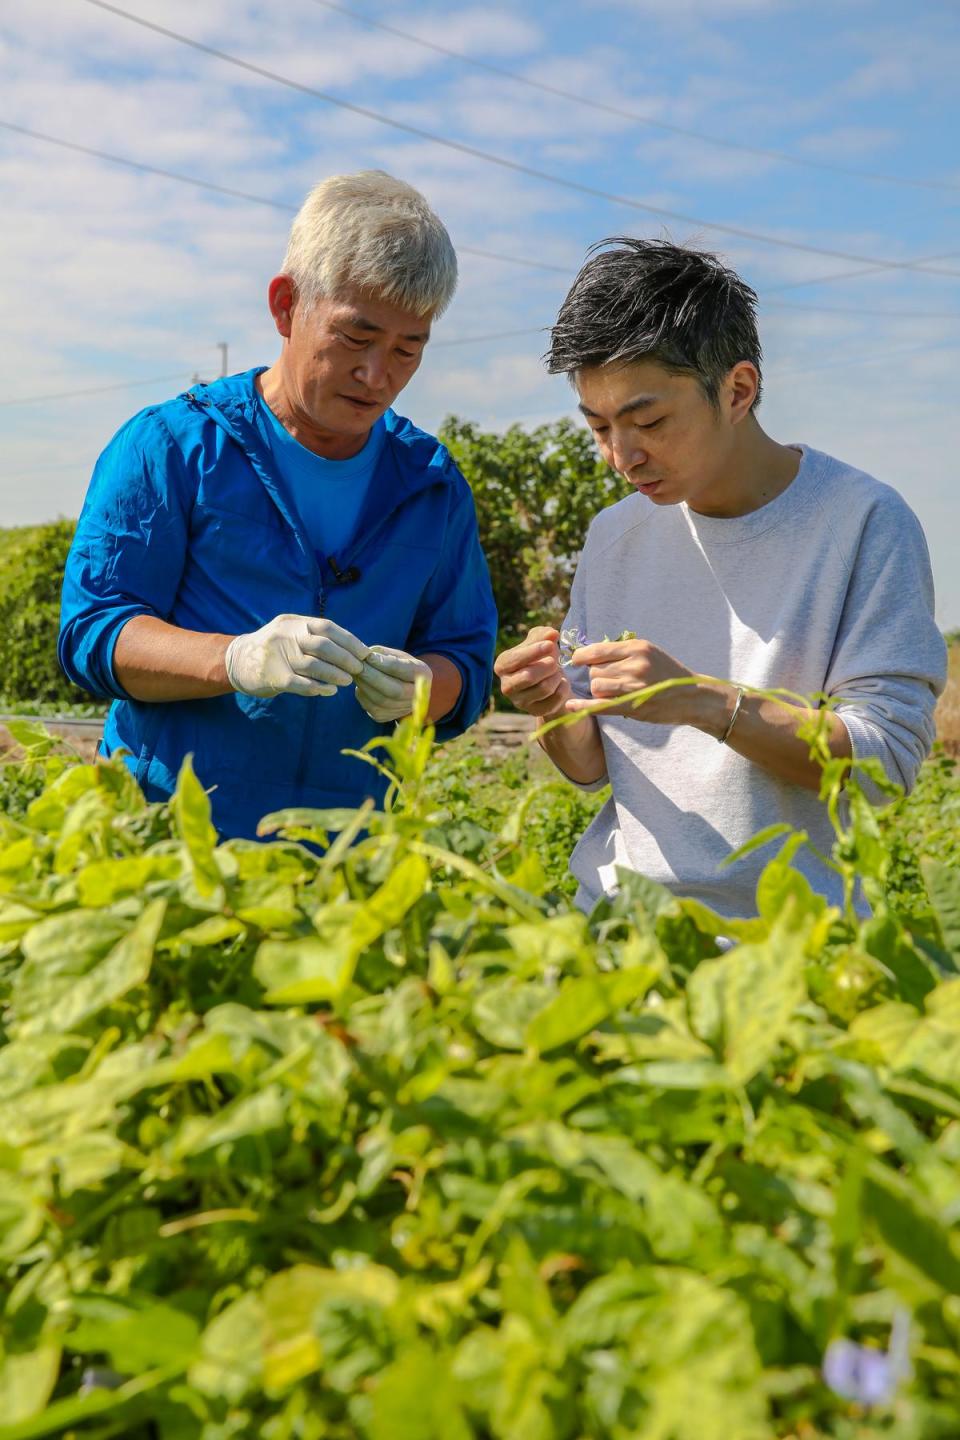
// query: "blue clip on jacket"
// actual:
[[187, 519]]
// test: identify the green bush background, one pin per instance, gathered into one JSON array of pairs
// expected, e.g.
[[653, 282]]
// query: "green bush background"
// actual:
[[31, 566], [536, 492]]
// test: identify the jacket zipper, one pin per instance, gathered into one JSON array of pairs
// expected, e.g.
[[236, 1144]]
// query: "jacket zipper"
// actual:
[[321, 599], [280, 501]]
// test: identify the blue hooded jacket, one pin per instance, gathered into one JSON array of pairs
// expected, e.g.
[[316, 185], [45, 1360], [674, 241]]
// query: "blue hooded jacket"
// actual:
[[187, 519]]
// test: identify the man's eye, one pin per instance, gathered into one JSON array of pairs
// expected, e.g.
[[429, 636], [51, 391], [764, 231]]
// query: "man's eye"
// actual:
[[601, 429], [407, 354], [652, 424], [352, 340]]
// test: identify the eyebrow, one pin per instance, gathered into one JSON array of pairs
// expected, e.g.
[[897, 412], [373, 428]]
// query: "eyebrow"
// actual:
[[360, 322], [639, 402]]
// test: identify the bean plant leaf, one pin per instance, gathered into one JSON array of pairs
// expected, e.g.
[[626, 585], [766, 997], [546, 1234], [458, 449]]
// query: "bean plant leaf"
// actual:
[[581, 1004], [943, 887], [742, 1003], [230, 1363], [139, 1340], [126, 966], [26, 1382], [191, 808], [416, 1398], [378, 1142], [310, 970], [910, 1228], [503, 1012], [913, 972]]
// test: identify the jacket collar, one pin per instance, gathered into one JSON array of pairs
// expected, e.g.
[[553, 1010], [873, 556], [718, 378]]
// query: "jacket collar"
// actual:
[[411, 460]]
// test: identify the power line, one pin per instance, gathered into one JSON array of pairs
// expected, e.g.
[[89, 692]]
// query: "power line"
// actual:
[[290, 209], [484, 339], [502, 161], [856, 274], [143, 166], [93, 389], [233, 193], [178, 374], [513, 259], [859, 310], [845, 363], [624, 114], [517, 334]]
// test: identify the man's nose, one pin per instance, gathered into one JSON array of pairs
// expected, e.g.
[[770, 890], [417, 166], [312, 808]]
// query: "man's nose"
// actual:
[[371, 370], [627, 454]]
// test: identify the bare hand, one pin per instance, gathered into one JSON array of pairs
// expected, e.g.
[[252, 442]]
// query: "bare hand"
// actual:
[[531, 676], [622, 667]]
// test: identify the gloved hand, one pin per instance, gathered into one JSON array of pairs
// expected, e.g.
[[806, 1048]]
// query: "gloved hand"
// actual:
[[386, 686], [294, 655]]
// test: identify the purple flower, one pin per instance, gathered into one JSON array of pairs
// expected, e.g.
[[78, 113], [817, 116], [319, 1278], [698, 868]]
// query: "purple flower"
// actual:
[[864, 1374], [571, 639]]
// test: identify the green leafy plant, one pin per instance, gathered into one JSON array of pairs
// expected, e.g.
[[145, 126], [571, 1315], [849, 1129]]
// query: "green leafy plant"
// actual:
[[29, 618], [366, 1133], [536, 492]]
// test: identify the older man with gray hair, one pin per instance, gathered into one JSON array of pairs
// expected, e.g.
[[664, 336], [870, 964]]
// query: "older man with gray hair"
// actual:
[[265, 566]]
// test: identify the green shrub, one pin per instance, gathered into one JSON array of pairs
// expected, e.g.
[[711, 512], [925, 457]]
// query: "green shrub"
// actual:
[[923, 825], [372, 1137], [536, 492], [30, 617]]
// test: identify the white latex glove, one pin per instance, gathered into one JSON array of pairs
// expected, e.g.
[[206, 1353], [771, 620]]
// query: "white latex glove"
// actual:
[[385, 688], [294, 655]]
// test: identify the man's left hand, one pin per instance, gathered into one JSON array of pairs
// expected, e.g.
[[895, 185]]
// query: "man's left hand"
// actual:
[[386, 687], [621, 667]]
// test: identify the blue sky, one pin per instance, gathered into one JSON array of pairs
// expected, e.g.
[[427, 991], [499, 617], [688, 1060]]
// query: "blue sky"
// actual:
[[111, 276]]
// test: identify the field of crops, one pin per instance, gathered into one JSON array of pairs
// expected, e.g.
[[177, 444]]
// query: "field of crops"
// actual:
[[367, 1133]]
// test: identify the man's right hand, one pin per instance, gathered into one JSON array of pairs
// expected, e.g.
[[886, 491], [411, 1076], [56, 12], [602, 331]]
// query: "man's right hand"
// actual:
[[531, 676], [294, 655]]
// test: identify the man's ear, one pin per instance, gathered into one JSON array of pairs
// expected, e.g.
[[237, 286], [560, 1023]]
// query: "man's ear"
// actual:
[[740, 390], [281, 297]]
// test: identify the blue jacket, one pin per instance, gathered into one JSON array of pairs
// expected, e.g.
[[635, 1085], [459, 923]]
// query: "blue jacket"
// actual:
[[187, 519]]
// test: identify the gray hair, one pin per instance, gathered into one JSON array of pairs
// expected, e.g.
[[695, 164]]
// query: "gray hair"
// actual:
[[377, 234]]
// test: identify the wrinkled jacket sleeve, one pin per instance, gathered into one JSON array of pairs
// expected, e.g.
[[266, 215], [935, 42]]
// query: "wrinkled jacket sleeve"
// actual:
[[457, 616], [128, 553], [889, 660]]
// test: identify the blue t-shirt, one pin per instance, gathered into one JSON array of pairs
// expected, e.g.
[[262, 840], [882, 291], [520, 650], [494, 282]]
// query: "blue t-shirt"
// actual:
[[328, 494]]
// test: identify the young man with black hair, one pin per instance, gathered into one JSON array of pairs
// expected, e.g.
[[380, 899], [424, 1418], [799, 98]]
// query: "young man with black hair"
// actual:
[[773, 565]]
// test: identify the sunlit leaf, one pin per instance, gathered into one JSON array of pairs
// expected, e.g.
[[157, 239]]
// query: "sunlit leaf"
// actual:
[[741, 1004], [191, 808]]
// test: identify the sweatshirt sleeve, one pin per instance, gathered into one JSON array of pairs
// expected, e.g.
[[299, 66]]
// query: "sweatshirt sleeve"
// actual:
[[889, 660], [457, 616], [128, 554]]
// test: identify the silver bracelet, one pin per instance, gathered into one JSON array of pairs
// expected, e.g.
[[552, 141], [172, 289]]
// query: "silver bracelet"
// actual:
[[733, 718]]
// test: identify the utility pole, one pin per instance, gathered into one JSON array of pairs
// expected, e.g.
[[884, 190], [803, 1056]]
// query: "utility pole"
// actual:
[[222, 347]]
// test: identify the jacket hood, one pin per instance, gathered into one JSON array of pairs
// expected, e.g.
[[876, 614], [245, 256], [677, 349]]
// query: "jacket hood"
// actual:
[[233, 403]]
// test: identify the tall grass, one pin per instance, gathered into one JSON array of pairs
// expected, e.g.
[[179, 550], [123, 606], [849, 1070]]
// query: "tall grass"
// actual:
[[948, 709]]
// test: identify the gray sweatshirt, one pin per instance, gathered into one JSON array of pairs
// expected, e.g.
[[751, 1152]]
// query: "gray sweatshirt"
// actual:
[[826, 588]]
